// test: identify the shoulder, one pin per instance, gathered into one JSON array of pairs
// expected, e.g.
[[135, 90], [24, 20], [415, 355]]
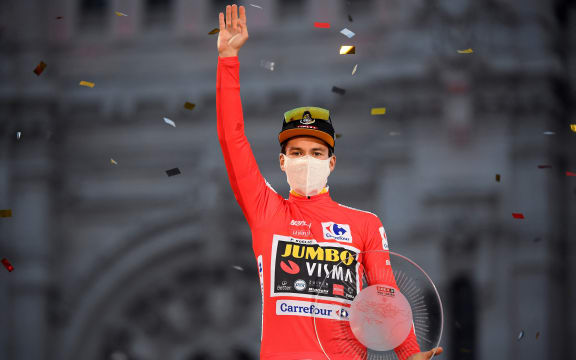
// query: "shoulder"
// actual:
[[361, 214]]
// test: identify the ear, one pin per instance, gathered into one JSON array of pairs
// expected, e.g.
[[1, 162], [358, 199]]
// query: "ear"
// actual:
[[281, 160], [332, 162]]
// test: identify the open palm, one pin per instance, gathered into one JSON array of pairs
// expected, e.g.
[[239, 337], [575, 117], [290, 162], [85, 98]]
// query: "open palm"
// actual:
[[233, 32]]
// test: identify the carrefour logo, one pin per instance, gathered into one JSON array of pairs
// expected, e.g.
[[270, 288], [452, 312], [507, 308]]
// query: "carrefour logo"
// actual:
[[311, 309], [338, 232]]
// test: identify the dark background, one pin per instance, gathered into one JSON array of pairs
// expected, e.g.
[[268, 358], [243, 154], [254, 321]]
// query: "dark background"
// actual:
[[121, 262]]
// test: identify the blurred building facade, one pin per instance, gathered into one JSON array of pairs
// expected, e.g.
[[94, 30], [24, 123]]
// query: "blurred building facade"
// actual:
[[120, 261]]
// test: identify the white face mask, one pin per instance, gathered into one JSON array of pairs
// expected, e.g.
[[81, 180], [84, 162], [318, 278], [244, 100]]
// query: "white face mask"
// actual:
[[306, 175]]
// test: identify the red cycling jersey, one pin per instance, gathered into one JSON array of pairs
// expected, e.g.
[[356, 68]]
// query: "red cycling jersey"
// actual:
[[305, 248]]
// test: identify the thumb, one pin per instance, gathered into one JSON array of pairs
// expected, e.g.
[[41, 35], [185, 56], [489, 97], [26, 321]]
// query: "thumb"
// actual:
[[435, 351]]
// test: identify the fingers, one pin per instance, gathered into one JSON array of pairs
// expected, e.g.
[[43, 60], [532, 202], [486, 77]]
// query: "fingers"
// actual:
[[242, 15], [221, 21], [228, 16], [234, 17]]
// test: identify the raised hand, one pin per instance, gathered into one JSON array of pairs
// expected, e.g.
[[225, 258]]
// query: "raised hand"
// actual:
[[233, 32]]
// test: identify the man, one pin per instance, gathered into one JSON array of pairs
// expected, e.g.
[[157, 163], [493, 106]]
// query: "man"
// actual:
[[295, 238]]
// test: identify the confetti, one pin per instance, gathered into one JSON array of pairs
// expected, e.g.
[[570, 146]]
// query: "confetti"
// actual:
[[322, 25], [118, 13], [521, 335], [7, 264], [239, 268], [256, 6], [350, 18], [173, 172], [394, 133], [347, 49], [112, 161], [18, 134], [354, 70], [87, 83], [549, 133], [268, 65], [214, 31], [189, 105], [338, 136], [338, 90], [6, 213], [58, 17], [569, 173], [347, 32], [518, 215], [40, 68], [378, 111], [544, 166], [169, 122], [573, 127], [467, 51], [498, 177], [537, 335]]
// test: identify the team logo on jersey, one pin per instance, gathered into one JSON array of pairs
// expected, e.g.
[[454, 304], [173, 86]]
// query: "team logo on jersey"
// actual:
[[384, 239], [338, 232], [292, 268]]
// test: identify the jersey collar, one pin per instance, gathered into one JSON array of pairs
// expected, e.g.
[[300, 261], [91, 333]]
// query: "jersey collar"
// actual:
[[323, 195]]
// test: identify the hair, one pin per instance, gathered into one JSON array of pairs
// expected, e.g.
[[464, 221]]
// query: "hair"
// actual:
[[283, 147]]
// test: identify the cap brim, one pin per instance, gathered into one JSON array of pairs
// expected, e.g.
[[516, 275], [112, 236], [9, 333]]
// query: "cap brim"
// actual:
[[287, 134]]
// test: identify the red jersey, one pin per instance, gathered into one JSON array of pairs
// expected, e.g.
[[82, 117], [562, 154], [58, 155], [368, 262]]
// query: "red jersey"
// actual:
[[305, 247]]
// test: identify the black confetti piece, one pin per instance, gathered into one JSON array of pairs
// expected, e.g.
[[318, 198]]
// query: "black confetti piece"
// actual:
[[173, 172], [338, 90]]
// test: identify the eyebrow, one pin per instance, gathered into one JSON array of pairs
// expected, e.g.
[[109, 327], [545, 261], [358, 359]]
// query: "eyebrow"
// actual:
[[297, 148]]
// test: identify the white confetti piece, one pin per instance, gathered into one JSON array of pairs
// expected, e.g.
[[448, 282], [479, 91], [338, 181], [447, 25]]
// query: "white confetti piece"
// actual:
[[112, 161], [256, 6], [521, 335], [18, 135], [549, 133], [239, 268], [354, 70], [347, 32], [394, 133], [268, 65], [169, 122]]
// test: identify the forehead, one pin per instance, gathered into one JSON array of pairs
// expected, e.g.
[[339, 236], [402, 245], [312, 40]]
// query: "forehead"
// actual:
[[306, 142]]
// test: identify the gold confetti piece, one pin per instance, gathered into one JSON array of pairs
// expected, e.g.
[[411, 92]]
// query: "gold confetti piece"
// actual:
[[112, 161], [537, 335], [6, 213], [378, 111], [467, 51], [214, 31], [119, 13], [87, 83], [338, 136], [354, 70], [189, 105], [40, 68], [347, 49], [498, 177], [573, 127]]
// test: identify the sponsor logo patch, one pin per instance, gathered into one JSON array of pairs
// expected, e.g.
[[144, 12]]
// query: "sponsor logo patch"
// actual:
[[307, 269], [311, 309], [338, 232]]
